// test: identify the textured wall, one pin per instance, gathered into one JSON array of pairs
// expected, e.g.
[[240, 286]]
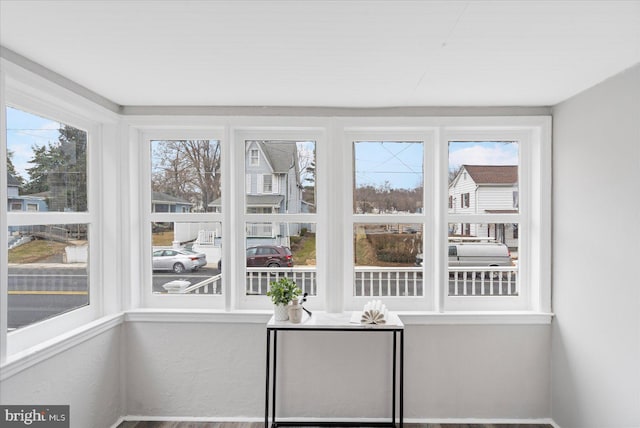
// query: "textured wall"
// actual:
[[86, 377], [596, 243]]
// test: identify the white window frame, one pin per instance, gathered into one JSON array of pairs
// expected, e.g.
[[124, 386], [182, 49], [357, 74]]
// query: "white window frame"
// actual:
[[145, 293], [534, 216], [28, 92], [334, 156], [428, 137], [534, 136], [301, 133], [254, 160]]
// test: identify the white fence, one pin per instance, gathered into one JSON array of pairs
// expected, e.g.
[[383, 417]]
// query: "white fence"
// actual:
[[491, 281], [379, 281]]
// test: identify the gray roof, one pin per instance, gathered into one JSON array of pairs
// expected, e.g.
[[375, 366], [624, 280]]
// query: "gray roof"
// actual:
[[164, 198], [282, 155], [12, 181]]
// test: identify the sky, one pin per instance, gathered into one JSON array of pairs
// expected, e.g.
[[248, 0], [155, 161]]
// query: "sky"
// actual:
[[25, 130], [482, 153], [400, 163]]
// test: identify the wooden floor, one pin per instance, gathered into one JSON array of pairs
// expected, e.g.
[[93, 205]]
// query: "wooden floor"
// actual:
[[261, 425]]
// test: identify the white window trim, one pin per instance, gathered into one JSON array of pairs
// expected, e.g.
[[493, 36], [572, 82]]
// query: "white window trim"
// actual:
[[144, 291], [240, 135], [534, 217], [26, 91], [427, 136]]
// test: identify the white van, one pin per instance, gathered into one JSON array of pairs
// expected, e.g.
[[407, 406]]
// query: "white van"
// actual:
[[481, 254]]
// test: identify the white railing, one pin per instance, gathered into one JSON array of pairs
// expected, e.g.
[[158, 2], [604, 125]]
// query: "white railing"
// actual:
[[380, 281], [258, 279], [489, 281], [260, 230], [211, 285], [206, 237]]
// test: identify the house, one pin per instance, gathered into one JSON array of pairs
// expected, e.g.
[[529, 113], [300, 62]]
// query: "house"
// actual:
[[562, 72], [164, 203], [17, 202], [272, 184], [480, 189]]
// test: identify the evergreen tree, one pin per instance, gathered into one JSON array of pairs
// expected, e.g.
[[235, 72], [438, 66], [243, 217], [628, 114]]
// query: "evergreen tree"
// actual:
[[11, 169], [60, 168]]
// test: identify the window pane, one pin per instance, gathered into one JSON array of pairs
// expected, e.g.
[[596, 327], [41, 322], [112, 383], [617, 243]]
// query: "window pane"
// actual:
[[388, 177], [47, 164], [48, 271], [388, 260], [483, 177], [483, 259], [186, 257], [275, 250], [185, 176], [280, 176]]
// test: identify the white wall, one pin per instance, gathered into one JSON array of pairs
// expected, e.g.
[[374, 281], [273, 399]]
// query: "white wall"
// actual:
[[596, 292], [216, 370], [86, 377]]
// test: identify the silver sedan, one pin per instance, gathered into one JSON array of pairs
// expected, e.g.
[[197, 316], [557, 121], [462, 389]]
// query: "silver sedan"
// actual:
[[178, 260]]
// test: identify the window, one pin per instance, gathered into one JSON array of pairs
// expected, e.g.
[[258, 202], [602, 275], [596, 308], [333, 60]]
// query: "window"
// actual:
[[464, 200], [267, 184], [280, 223], [185, 216], [388, 177], [49, 241], [254, 157], [427, 220], [387, 213], [485, 248]]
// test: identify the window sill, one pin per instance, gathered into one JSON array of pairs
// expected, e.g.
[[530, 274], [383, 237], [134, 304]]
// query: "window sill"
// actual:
[[407, 317]]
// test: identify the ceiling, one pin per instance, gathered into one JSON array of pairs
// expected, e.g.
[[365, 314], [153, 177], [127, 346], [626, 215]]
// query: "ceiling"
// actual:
[[327, 53]]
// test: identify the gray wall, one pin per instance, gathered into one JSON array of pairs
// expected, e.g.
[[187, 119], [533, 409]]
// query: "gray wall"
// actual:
[[87, 377], [596, 293], [452, 371]]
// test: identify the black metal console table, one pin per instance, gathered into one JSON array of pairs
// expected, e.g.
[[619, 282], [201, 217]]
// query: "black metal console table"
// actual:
[[321, 321]]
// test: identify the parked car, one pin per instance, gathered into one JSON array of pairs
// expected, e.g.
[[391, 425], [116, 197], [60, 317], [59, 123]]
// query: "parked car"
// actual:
[[178, 260], [269, 255], [481, 254]]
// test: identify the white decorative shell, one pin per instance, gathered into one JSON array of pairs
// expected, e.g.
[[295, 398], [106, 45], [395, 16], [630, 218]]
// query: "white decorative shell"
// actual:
[[372, 316]]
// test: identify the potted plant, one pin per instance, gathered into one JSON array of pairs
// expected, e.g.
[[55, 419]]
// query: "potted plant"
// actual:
[[282, 292]]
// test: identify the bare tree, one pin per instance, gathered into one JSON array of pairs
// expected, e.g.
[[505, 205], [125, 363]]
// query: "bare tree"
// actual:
[[187, 169]]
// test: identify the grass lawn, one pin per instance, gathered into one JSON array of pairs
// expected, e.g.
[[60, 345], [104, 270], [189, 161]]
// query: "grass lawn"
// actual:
[[163, 239], [304, 249], [36, 251]]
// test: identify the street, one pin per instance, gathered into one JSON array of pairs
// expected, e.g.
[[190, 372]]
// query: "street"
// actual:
[[37, 293]]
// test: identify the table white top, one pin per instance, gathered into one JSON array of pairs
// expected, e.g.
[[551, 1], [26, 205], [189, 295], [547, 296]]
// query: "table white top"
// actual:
[[341, 321]]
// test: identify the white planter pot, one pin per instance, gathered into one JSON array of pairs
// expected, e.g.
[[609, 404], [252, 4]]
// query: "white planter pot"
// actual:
[[281, 312]]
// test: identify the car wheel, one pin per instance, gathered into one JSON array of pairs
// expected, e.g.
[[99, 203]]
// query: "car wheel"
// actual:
[[273, 265], [178, 268]]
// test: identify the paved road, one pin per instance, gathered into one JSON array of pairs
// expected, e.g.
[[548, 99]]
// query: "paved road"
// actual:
[[39, 293], [160, 278]]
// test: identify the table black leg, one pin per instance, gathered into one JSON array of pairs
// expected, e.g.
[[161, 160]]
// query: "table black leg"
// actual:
[[266, 392], [275, 360], [401, 378], [393, 376]]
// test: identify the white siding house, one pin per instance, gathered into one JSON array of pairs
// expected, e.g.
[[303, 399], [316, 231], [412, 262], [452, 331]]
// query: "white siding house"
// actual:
[[484, 189]]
